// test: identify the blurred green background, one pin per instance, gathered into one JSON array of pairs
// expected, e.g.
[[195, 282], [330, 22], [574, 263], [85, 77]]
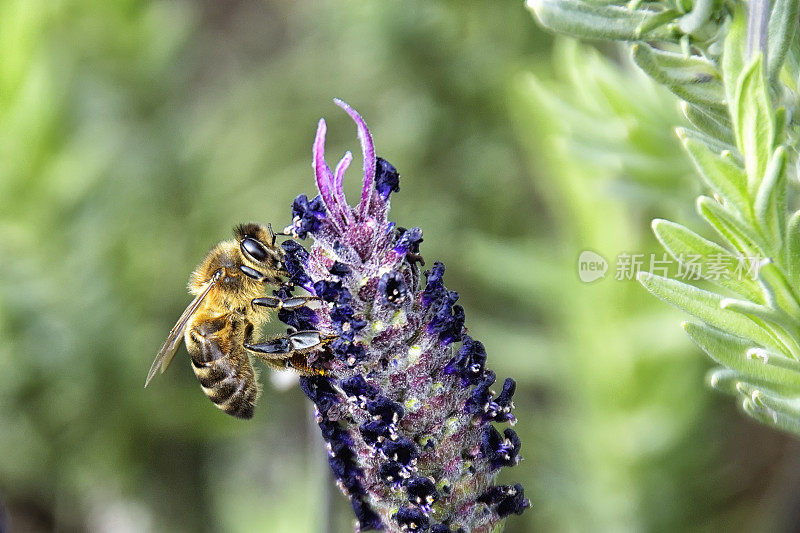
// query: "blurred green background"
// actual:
[[135, 134]]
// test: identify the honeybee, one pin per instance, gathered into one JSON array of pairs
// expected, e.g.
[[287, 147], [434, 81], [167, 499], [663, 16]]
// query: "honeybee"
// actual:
[[219, 324]]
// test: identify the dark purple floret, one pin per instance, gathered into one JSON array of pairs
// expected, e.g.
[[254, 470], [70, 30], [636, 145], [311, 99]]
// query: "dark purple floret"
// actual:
[[412, 520], [383, 408], [500, 450], [409, 241], [392, 473], [345, 471], [448, 321], [306, 215], [344, 321], [358, 387], [338, 269], [480, 397], [319, 391], [301, 318], [283, 292], [392, 288], [367, 518], [468, 363], [421, 491], [374, 432], [387, 179], [294, 261], [330, 430], [504, 398], [502, 405], [496, 493], [434, 286], [402, 450], [332, 291], [506, 499], [340, 447], [515, 504], [440, 528], [492, 410], [348, 352]]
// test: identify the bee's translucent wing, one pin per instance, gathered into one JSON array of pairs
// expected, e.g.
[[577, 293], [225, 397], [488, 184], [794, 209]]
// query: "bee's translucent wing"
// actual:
[[170, 346]]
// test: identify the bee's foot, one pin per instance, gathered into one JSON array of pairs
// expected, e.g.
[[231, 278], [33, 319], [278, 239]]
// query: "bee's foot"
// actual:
[[293, 302], [299, 341]]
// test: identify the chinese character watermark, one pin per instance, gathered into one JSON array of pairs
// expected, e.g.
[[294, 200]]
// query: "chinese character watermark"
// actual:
[[686, 267]]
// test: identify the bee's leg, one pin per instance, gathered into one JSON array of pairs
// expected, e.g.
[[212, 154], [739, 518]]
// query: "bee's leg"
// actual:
[[274, 278], [282, 347], [293, 302], [290, 351], [299, 363]]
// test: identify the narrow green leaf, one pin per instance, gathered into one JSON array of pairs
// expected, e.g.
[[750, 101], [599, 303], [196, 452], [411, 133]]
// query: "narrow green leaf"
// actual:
[[697, 17], [779, 291], [706, 306], [781, 123], [713, 124], [779, 325], [756, 311], [771, 408], [793, 248], [733, 52], [655, 22], [733, 353], [726, 151], [754, 122], [724, 380], [770, 205], [769, 357], [723, 176], [782, 27], [730, 227], [694, 79], [689, 248], [609, 22]]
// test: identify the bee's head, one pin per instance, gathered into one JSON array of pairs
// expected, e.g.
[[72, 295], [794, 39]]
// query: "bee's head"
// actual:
[[257, 243]]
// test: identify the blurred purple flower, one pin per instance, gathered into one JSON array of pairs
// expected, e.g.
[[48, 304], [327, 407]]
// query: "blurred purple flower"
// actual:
[[407, 418]]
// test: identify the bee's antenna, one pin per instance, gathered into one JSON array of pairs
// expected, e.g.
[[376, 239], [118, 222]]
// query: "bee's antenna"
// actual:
[[272, 233]]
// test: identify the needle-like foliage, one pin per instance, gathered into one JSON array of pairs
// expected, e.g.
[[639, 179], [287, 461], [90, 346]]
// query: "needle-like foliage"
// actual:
[[736, 73]]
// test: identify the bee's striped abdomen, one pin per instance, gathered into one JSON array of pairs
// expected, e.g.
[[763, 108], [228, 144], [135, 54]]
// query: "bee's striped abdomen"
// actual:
[[223, 368], [233, 390]]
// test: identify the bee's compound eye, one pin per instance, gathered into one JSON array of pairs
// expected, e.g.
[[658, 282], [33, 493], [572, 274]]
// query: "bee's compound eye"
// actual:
[[254, 249]]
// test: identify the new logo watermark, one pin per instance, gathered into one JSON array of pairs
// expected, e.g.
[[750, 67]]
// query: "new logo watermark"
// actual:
[[591, 266], [685, 267]]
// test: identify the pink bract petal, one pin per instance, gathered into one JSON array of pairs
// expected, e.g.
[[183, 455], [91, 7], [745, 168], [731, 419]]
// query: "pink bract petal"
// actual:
[[324, 176], [368, 151], [338, 189]]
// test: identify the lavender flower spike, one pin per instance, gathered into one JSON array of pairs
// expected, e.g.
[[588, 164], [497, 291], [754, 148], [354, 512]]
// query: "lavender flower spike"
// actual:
[[406, 405]]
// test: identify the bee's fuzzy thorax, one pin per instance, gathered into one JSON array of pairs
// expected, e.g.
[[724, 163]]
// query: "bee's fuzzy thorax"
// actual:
[[406, 407]]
